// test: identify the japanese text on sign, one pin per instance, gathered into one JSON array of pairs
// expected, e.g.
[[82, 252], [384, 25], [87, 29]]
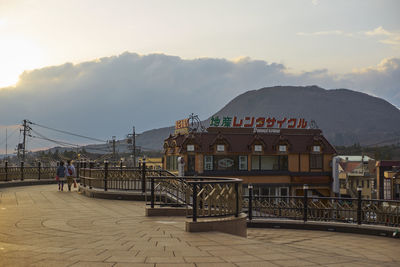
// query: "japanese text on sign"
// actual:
[[182, 124], [260, 122]]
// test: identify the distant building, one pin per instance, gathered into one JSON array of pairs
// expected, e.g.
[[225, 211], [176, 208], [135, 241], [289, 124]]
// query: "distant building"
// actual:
[[388, 179], [354, 172], [278, 162]]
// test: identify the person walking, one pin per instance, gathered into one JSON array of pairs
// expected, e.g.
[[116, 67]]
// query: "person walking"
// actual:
[[60, 176], [70, 174]]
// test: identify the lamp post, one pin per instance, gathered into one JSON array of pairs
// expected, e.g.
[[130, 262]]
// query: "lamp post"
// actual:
[[144, 174], [359, 190], [250, 202]]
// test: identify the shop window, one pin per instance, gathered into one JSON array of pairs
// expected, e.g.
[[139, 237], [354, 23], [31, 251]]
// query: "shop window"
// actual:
[[269, 163], [172, 163], [190, 148], [242, 163], [282, 148], [255, 162], [257, 148], [315, 161], [387, 189], [225, 163], [283, 163], [367, 183], [208, 163], [220, 148]]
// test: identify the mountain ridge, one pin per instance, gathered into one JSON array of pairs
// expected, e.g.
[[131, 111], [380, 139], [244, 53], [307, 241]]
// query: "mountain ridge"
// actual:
[[345, 116]]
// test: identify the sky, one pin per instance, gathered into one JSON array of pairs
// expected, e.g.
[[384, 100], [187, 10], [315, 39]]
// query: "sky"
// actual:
[[305, 35], [139, 59]]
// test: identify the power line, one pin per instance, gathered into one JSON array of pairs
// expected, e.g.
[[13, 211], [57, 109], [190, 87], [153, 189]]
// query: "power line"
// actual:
[[9, 135], [384, 141], [69, 133], [63, 143], [40, 136]]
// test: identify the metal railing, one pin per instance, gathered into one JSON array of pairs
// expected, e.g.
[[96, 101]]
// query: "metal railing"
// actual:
[[22, 172], [328, 209], [203, 197], [117, 178]]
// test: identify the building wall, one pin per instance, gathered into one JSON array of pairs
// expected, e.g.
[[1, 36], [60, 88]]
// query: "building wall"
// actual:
[[304, 163], [293, 162]]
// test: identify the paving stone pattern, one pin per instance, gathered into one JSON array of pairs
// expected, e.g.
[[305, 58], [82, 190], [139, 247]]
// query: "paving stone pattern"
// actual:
[[40, 226]]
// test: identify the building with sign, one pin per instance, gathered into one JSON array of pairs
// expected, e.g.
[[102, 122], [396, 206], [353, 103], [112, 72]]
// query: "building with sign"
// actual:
[[277, 161]]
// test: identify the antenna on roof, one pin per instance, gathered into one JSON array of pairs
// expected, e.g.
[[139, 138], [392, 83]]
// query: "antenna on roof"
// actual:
[[313, 125], [195, 123]]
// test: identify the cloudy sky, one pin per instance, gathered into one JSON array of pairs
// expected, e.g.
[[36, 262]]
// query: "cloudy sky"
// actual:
[[111, 64]]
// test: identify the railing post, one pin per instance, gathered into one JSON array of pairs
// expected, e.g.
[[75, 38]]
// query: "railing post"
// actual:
[[84, 168], [250, 202], [152, 192], [105, 175], [305, 204], [77, 169], [144, 175], [90, 168], [39, 165], [6, 169], [22, 170], [194, 202], [237, 199], [359, 190]]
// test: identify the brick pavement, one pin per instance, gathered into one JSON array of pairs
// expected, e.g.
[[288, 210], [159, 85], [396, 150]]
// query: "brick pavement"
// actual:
[[40, 226]]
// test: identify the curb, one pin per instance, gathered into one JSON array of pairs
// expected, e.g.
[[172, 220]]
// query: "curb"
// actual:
[[112, 194], [16, 183], [364, 229]]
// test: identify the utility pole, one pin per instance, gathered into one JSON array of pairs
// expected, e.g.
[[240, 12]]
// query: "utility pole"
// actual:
[[134, 146], [6, 146], [25, 132]]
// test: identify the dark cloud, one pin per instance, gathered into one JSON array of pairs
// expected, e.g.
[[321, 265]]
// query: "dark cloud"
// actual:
[[107, 96]]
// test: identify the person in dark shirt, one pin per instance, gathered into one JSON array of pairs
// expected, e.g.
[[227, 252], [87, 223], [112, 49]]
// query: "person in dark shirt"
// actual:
[[60, 176]]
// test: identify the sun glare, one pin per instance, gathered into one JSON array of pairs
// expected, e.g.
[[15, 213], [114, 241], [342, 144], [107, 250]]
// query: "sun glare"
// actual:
[[17, 55]]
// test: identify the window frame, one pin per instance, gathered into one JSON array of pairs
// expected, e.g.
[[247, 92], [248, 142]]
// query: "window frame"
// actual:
[[314, 164], [315, 150], [282, 146], [240, 158], [219, 148], [210, 161], [258, 148]]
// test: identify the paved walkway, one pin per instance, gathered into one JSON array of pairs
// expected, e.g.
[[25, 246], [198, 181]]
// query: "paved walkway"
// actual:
[[40, 226]]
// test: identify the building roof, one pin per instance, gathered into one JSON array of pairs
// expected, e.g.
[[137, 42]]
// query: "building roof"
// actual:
[[298, 141], [350, 166], [387, 163], [355, 158]]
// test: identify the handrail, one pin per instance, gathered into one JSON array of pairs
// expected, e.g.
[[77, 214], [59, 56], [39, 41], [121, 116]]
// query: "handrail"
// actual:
[[349, 210]]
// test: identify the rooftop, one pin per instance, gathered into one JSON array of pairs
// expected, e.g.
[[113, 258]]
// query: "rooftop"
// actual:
[[241, 139]]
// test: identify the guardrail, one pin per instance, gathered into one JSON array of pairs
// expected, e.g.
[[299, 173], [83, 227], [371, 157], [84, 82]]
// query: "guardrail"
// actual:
[[349, 210], [22, 172], [203, 197], [133, 179]]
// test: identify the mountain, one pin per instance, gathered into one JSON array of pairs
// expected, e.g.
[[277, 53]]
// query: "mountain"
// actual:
[[345, 116]]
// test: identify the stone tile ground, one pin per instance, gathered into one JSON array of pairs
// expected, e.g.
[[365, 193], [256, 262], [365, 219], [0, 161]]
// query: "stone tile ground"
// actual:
[[40, 226]]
